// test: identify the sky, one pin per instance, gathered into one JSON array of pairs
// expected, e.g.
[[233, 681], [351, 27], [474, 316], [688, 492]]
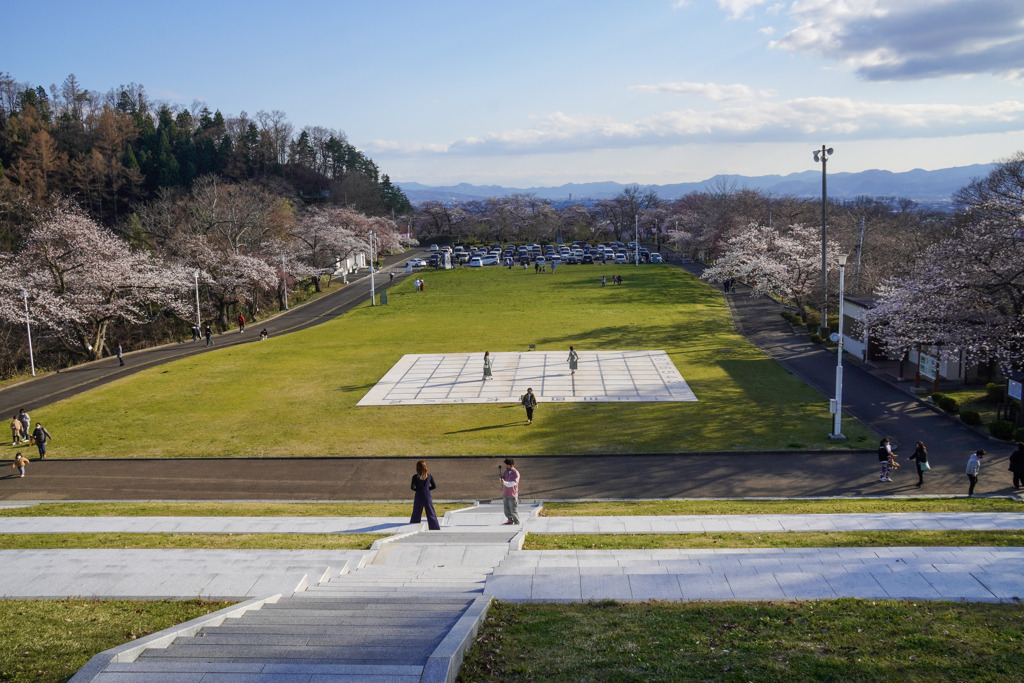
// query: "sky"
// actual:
[[546, 92]]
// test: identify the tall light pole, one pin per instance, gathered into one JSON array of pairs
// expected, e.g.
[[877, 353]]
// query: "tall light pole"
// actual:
[[822, 156], [199, 320], [284, 284], [636, 240], [28, 330], [837, 430], [372, 293]]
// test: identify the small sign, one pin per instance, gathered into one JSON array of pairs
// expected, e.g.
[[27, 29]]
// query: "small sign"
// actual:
[[1013, 389], [928, 365], [834, 336]]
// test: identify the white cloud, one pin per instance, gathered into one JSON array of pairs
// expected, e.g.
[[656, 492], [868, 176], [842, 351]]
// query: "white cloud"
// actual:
[[738, 8], [715, 92], [912, 39], [766, 122]]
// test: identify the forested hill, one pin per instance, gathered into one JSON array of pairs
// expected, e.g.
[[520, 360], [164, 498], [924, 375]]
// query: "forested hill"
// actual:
[[113, 150]]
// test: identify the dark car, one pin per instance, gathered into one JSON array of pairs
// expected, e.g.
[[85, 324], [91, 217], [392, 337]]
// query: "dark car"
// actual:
[[587, 258]]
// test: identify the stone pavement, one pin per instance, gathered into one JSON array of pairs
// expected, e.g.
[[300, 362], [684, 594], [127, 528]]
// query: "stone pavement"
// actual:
[[345, 615]]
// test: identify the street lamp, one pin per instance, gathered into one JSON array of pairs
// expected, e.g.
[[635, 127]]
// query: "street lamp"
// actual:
[[28, 329], [373, 295], [837, 431], [199, 321], [822, 156]]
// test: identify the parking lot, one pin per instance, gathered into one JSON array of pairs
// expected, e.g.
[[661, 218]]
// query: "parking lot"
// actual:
[[602, 376], [547, 256]]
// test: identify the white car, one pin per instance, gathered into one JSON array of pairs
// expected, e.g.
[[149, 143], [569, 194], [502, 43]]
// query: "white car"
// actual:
[[433, 247], [476, 262], [416, 263]]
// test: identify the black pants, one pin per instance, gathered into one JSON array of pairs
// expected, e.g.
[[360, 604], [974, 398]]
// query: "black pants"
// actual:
[[529, 413], [1018, 479], [974, 481]]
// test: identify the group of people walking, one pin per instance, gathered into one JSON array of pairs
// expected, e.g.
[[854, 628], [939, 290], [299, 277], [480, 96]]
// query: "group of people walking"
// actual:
[[423, 484], [887, 460], [20, 434]]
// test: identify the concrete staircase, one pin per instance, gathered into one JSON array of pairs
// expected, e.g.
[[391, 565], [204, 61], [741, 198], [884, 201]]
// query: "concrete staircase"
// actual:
[[407, 614]]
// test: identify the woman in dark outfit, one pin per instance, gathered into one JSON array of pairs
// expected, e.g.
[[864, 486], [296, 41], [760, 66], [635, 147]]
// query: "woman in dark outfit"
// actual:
[[423, 484], [920, 457]]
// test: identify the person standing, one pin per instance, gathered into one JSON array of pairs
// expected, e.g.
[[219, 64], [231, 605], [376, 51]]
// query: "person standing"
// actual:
[[885, 460], [602, 280], [488, 365], [16, 431], [510, 491], [41, 436], [920, 457], [119, 354], [19, 463], [574, 359], [973, 468], [26, 424], [1017, 466], [423, 483], [208, 333], [241, 323], [529, 402]]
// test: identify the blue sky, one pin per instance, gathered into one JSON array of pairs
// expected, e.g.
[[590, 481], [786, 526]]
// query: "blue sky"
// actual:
[[548, 92]]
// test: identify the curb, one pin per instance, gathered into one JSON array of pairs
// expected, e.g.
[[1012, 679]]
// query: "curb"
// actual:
[[129, 652], [444, 662]]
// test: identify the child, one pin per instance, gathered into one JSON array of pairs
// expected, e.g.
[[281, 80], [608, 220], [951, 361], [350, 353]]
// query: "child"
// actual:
[[19, 463]]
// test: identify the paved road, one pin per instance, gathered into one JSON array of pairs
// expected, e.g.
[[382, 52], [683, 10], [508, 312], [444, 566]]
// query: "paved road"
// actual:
[[878, 403]]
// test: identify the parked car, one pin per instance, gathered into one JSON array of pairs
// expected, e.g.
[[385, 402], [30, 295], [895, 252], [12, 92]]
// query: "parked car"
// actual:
[[433, 247], [587, 258], [620, 257], [656, 258], [476, 262], [490, 260], [416, 263]]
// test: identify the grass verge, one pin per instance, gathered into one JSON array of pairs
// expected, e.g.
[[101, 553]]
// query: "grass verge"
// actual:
[[778, 507], [237, 395], [160, 509], [841, 640], [189, 541], [786, 539], [49, 640]]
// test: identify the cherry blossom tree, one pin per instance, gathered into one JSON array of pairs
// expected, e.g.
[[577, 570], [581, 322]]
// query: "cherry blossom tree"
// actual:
[[80, 278], [782, 262], [324, 236], [965, 295]]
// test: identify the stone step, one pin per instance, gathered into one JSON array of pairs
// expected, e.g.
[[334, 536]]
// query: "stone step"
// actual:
[[269, 671], [408, 654]]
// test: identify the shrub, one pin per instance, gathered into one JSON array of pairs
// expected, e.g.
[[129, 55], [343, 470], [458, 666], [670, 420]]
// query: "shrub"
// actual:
[[996, 393], [1001, 429], [949, 404], [813, 322], [816, 338], [971, 417], [937, 396], [1018, 435]]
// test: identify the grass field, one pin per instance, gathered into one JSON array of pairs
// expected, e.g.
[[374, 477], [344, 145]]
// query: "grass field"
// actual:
[[296, 395], [836, 640]]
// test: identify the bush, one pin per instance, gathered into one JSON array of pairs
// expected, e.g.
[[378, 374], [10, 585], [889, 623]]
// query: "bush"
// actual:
[[949, 404], [816, 338], [813, 322], [996, 393], [1018, 435], [971, 417], [1001, 429], [937, 396]]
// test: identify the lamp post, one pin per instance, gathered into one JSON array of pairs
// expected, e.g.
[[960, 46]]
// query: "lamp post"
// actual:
[[199, 320], [284, 284], [28, 330], [837, 431], [373, 295], [822, 156]]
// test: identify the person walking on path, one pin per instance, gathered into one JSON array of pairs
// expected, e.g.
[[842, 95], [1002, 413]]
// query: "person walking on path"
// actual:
[[241, 323], [208, 333], [195, 333], [529, 402], [973, 468], [488, 365], [41, 436], [886, 461], [510, 491], [119, 354], [19, 464], [17, 433], [1017, 466], [26, 424], [574, 359], [920, 457], [423, 483]]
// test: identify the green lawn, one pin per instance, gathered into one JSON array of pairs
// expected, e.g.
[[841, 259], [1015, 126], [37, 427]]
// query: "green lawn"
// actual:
[[296, 395], [208, 509], [828, 640]]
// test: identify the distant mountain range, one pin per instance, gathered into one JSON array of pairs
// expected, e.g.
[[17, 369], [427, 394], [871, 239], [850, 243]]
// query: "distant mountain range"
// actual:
[[928, 188]]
